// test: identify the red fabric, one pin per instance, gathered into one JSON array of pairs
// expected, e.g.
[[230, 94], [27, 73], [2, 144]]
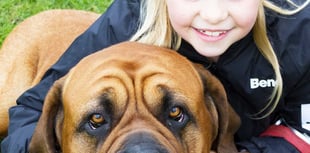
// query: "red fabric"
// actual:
[[287, 134]]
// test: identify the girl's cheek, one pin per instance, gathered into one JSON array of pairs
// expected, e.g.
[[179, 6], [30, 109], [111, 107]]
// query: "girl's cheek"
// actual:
[[246, 14], [180, 12]]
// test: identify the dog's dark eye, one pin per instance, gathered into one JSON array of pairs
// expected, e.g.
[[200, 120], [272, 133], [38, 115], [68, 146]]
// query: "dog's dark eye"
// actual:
[[177, 118], [176, 113], [96, 120]]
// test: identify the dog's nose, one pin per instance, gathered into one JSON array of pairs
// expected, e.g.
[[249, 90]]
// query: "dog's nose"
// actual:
[[142, 143]]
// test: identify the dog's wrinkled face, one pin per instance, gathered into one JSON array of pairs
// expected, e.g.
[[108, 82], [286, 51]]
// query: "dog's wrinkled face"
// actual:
[[130, 98]]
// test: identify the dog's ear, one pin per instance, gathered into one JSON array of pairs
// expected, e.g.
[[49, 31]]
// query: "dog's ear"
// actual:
[[228, 120], [47, 135]]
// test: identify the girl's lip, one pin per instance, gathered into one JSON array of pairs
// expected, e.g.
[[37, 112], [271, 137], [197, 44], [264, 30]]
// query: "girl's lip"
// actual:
[[211, 35]]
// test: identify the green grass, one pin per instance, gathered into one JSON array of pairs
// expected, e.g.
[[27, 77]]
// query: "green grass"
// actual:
[[14, 11]]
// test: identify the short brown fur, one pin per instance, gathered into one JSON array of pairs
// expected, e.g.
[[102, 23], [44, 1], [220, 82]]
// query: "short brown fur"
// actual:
[[31, 48]]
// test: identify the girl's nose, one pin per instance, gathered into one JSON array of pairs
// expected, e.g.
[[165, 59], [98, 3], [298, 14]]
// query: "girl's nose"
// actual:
[[213, 11]]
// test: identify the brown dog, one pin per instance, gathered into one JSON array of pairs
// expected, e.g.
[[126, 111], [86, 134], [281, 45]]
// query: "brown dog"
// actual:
[[136, 98], [129, 98], [31, 48]]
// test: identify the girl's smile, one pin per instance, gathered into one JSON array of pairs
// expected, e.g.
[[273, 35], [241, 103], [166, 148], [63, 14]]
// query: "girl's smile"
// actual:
[[212, 26], [211, 35]]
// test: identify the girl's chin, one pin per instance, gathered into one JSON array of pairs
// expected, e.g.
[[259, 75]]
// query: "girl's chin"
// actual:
[[208, 51]]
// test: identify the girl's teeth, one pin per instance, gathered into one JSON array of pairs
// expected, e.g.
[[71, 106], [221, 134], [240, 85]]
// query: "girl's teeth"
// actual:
[[212, 34]]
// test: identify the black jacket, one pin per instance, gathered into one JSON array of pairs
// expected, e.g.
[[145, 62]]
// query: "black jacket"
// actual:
[[240, 64]]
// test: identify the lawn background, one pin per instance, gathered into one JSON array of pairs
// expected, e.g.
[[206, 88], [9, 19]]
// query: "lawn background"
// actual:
[[13, 12]]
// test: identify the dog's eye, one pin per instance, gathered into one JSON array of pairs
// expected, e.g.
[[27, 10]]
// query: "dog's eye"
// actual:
[[96, 120], [176, 114]]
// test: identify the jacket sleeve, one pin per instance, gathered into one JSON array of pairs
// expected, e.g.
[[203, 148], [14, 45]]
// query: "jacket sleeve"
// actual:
[[117, 24]]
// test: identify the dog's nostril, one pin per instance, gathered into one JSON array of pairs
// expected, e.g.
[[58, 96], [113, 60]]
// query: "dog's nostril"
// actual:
[[142, 143]]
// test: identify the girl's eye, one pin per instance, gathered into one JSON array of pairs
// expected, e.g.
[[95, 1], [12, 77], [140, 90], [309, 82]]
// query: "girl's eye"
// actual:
[[96, 120], [176, 114]]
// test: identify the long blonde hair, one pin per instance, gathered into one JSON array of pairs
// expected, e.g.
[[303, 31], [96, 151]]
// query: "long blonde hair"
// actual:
[[155, 29]]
